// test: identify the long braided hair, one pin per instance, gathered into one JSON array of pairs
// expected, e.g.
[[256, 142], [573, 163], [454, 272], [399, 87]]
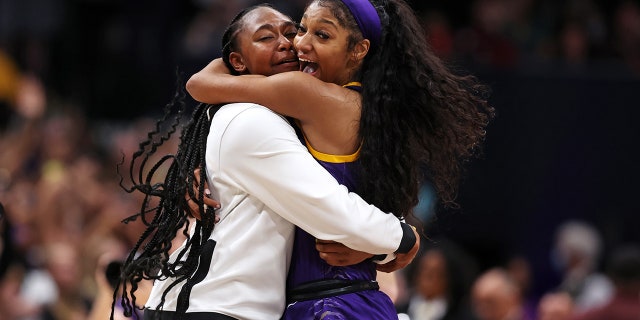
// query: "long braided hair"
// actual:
[[419, 121], [164, 209]]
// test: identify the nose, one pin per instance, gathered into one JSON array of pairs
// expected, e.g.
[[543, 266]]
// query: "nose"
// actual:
[[301, 43], [284, 43]]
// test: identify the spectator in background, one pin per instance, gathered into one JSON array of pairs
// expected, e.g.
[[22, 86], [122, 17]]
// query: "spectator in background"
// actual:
[[496, 296], [555, 306], [108, 265], [26, 104], [484, 42], [529, 28], [626, 33], [519, 269], [438, 34], [18, 277], [624, 270], [574, 44], [63, 265], [576, 252], [581, 34], [442, 279]]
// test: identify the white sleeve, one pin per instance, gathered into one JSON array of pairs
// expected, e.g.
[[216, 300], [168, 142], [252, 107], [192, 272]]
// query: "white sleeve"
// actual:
[[263, 155]]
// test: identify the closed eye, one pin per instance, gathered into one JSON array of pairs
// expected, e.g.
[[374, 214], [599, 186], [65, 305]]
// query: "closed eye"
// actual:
[[290, 33]]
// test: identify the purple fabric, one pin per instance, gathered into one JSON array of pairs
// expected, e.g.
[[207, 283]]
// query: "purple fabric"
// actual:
[[306, 265], [369, 305], [367, 18]]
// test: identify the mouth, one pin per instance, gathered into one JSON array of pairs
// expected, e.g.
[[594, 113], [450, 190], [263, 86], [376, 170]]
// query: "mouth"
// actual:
[[293, 60], [308, 66]]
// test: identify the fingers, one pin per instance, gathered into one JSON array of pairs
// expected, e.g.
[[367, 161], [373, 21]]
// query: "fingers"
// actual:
[[210, 202], [196, 185], [335, 259], [194, 208], [337, 254], [196, 174], [331, 247], [402, 259], [332, 252], [387, 267]]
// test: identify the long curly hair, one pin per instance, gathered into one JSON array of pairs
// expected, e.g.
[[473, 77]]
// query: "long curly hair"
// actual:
[[420, 121], [164, 208]]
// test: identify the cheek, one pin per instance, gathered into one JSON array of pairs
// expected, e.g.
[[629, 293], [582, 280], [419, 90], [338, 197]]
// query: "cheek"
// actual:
[[259, 61], [333, 60]]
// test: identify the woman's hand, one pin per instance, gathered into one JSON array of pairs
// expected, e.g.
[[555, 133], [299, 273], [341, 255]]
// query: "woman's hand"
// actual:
[[339, 255], [402, 259], [194, 208]]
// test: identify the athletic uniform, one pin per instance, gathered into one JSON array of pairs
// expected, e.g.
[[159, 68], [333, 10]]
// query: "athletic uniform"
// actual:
[[317, 290], [267, 181]]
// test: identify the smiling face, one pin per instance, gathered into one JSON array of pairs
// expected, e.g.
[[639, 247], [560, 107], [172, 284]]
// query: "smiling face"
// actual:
[[323, 46], [265, 43]]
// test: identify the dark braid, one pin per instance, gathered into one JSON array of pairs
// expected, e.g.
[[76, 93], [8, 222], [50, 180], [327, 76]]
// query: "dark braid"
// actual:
[[419, 121], [149, 258]]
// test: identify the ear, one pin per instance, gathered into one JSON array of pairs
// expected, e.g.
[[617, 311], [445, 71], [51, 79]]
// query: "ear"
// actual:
[[360, 50], [237, 62]]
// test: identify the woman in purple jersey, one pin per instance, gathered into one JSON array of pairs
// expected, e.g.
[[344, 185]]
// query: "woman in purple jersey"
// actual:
[[381, 112]]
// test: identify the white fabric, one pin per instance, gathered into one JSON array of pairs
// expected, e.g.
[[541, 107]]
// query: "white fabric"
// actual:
[[422, 309], [597, 290], [266, 182], [39, 288]]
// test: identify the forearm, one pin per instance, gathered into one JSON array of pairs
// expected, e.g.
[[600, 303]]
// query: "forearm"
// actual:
[[213, 84], [294, 94]]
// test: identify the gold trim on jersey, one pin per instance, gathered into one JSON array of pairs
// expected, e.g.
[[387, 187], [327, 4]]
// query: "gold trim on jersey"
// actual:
[[332, 158]]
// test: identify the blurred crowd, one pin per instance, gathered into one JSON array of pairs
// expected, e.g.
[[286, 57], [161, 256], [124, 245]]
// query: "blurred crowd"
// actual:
[[540, 35], [81, 83], [445, 282], [62, 208]]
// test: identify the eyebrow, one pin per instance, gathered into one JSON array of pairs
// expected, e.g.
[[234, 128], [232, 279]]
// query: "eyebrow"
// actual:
[[270, 26]]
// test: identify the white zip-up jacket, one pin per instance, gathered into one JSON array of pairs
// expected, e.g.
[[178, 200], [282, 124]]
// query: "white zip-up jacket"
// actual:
[[267, 182]]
